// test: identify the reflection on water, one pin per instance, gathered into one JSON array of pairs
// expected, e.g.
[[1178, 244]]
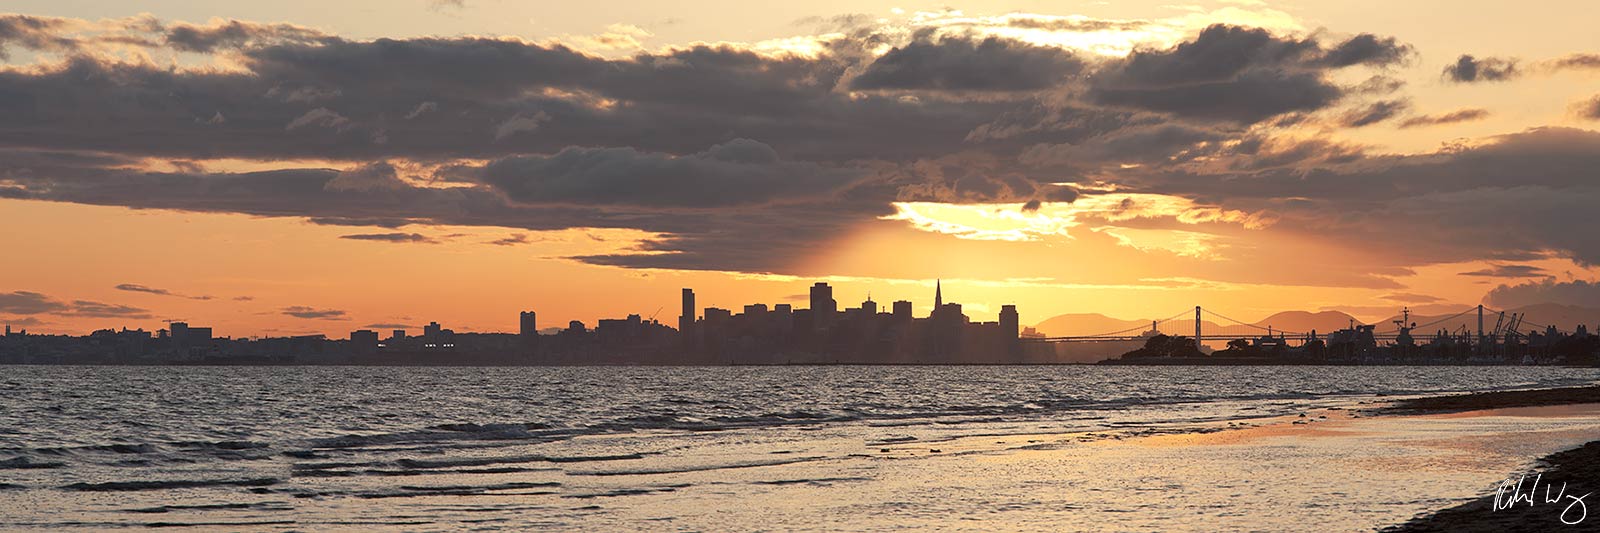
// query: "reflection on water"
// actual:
[[734, 448]]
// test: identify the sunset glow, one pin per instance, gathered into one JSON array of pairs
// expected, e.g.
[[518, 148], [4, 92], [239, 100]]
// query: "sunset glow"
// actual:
[[243, 161]]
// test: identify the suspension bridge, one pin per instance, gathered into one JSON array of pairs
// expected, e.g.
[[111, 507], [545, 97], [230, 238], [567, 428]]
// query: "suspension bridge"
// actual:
[[1506, 327]]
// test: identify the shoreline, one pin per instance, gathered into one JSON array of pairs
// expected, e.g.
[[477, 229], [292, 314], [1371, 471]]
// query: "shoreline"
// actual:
[[1497, 400], [1574, 471]]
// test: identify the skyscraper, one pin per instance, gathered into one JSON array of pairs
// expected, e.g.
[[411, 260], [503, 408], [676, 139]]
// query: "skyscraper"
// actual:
[[530, 324], [686, 319], [823, 306], [180, 332], [938, 295], [1008, 322]]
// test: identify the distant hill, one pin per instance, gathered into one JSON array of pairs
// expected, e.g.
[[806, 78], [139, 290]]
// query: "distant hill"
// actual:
[[1095, 323], [1563, 317], [1084, 324], [1305, 321]]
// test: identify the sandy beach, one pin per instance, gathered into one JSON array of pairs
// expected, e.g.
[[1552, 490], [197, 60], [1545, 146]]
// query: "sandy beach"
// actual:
[[1551, 495]]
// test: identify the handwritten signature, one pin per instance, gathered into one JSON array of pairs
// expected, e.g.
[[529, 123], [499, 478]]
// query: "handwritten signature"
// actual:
[[1513, 494]]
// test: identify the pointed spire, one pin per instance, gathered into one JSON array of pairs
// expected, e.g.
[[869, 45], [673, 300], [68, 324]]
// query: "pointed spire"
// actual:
[[938, 294]]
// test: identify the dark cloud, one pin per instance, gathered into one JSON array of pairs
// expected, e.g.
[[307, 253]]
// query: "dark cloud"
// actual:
[[1460, 115], [1577, 61], [380, 222], [1468, 69], [1508, 271], [373, 176], [308, 95], [1374, 113], [739, 172], [1219, 53], [33, 33], [513, 240], [133, 287], [1236, 74], [87, 308], [1529, 189], [29, 303], [301, 311], [347, 100], [1132, 145], [1576, 292], [33, 303], [1589, 109], [1073, 24], [1366, 49], [238, 34], [414, 238], [1444, 195], [744, 161], [1379, 85], [387, 325], [23, 321], [1250, 98], [961, 64]]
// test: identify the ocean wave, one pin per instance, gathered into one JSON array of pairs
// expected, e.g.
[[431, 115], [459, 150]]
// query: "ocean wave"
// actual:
[[123, 486], [25, 462], [445, 433], [259, 506], [412, 491], [694, 468]]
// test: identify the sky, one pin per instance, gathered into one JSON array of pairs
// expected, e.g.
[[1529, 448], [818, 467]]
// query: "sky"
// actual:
[[293, 167]]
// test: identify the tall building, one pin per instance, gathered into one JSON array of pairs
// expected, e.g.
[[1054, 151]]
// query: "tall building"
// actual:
[[1009, 325], [363, 341], [823, 306], [431, 331], [869, 307], [530, 324], [902, 310], [938, 294], [686, 319]]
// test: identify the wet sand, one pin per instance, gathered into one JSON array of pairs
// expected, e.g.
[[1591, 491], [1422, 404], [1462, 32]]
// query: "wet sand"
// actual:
[[1499, 400], [1548, 498]]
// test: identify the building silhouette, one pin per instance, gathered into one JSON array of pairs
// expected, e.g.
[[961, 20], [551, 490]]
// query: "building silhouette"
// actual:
[[528, 324], [758, 334]]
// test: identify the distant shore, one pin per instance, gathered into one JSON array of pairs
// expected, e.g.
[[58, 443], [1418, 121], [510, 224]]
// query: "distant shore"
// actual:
[[1578, 469], [1500, 400]]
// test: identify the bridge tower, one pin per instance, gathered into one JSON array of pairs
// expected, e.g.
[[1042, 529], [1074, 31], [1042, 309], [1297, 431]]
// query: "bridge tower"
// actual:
[[1197, 327], [1478, 344]]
